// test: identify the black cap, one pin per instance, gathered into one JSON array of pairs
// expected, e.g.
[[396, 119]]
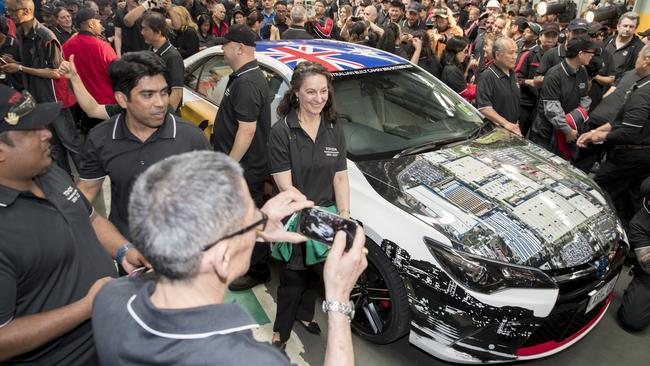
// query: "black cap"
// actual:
[[645, 33], [550, 27], [47, 9], [84, 15], [239, 33], [19, 111], [578, 44], [414, 7], [578, 23], [237, 9]]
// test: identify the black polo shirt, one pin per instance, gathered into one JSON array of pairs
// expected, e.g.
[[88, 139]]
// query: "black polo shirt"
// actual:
[[499, 91], [39, 49], [111, 149], [246, 99], [132, 39], [564, 84], [608, 109], [296, 33], [175, 69], [266, 30], [49, 258], [631, 126], [313, 164], [62, 35], [454, 78], [551, 58], [206, 335], [625, 57], [527, 70]]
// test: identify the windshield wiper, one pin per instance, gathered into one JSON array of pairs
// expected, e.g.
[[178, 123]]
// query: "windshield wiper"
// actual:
[[431, 145], [479, 130]]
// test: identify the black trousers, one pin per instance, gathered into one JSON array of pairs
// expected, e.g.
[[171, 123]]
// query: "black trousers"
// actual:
[[526, 117], [65, 139], [296, 298], [634, 312], [621, 176], [259, 267]]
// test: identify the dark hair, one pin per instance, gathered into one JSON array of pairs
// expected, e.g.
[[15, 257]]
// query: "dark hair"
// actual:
[[427, 52], [279, 2], [300, 72], [320, 1], [155, 21], [254, 17], [388, 40], [398, 4], [126, 72], [356, 31], [58, 10], [202, 19], [453, 47]]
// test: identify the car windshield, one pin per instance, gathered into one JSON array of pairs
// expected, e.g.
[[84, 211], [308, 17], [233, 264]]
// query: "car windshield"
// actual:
[[387, 112]]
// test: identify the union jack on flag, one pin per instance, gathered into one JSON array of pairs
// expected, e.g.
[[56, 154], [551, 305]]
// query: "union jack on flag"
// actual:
[[337, 58]]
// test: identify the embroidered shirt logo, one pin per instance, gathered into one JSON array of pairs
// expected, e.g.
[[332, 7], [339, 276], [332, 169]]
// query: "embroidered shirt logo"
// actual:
[[582, 85], [72, 194], [331, 151]]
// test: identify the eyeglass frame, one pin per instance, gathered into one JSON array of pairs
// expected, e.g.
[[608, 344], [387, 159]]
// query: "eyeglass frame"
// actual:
[[263, 221]]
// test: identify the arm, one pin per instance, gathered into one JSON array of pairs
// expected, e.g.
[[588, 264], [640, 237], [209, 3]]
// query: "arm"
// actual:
[[594, 136], [13, 68], [377, 29], [118, 41], [495, 117], [90, 187], [175, 97], [86, 101], [243, 139], [112, 241], [133, 15], [29, 332], [604, 80], [417, 44], [484, 97], [342, 193]]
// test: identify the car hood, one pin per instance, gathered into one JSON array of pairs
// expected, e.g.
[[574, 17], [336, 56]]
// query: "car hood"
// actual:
[[504, 198]]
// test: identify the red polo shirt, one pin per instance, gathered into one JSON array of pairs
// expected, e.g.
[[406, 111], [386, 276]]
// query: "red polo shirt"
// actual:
[[92, 57]]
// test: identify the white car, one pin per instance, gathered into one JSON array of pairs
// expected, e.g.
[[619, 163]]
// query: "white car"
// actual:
[[483, 246]]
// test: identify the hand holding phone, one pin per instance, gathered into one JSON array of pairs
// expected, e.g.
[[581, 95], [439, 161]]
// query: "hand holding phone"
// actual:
[[322, 226]]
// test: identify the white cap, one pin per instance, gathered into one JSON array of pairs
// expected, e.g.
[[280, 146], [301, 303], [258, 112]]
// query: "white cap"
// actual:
[[493, 4]]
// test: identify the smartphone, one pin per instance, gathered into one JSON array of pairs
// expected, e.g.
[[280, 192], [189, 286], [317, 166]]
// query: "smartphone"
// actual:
[[137, 272], [355, 19], [322, 226]]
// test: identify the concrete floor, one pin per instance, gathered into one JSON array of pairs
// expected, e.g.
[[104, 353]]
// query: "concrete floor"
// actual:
[[605, 345]]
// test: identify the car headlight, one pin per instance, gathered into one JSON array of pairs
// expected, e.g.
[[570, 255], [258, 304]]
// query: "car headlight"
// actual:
[[486, 275]]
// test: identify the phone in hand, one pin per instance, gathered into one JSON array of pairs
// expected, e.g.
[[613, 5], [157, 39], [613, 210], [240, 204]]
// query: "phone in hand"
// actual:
[[355, 19], [322, 226], [137, 272]]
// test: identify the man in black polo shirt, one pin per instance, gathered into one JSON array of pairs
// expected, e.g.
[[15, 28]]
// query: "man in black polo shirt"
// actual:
[[145, 133], [628, 162], [128, 37], [624, 46], [563, 100], [51, 261], [279, 21], [577, 28], [154, 29], [497, 91], [242, 127]]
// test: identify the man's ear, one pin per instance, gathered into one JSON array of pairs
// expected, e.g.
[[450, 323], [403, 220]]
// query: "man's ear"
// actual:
[[121, 99], [218, 258]]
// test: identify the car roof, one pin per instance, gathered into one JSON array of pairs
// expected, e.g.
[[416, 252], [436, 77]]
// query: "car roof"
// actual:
[[334, 55]]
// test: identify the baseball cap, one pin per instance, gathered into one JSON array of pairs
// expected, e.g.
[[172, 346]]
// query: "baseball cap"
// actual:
[[536, 28], [84, 15], [47, 9], [19, 111], [645, 33], [237, 9], [493, 4], [550, 27], [239, 33], [439, 12], [414, 7], [578, 44], [578, 23]]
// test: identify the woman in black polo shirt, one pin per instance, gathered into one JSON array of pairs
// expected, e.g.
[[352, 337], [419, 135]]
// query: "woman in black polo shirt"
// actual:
[[306, 153]]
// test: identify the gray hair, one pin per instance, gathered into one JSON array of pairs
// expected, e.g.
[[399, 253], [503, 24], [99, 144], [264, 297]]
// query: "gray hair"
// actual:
[[629, 15], [298, 14], [500, 45], [181, 204]]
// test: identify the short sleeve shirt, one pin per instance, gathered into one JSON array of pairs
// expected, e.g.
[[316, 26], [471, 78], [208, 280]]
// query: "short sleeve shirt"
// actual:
[[111, 149], [453, 77], [174, 64], [49, 258], [313, 164], [499, 91], [132, 39], [247, 100], [551, 58]]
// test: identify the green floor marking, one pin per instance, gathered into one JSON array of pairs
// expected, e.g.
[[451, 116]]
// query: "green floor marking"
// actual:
[[248, 300]]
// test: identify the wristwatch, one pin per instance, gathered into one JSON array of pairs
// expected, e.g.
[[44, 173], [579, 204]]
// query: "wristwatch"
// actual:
[[346, 309]]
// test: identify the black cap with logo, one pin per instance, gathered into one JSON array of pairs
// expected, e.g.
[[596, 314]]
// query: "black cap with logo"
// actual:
[[19, 111]]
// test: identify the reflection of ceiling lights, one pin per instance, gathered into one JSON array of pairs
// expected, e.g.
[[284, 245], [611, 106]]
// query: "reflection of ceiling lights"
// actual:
[[604, 14], [542, 8], [553, 7]]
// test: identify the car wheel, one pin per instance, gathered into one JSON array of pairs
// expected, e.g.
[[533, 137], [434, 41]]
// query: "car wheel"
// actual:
[[382, 309]]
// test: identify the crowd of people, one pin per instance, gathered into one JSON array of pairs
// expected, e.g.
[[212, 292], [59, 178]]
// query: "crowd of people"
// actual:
[[99, 85]]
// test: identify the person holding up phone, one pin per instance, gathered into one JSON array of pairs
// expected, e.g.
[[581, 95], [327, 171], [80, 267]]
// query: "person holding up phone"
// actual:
[[306, 154]]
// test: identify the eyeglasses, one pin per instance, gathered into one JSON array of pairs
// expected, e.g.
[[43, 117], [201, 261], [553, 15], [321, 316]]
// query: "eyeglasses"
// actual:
[[262, 221]]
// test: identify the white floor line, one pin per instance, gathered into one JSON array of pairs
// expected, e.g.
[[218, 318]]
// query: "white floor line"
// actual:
[[295, 347]]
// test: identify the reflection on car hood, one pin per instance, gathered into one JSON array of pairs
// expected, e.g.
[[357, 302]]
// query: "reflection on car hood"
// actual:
[[504, 198]]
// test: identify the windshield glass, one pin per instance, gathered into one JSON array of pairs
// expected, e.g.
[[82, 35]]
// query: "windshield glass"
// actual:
[[389, 111]]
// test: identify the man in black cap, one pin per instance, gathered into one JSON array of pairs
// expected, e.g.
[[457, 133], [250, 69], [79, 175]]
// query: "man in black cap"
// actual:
[[413, 23], [628, 162], [634, 312], [526, 72], [563, 101], [624, 46], [51, 261], [242, 127], [645, 36], [577, 28]]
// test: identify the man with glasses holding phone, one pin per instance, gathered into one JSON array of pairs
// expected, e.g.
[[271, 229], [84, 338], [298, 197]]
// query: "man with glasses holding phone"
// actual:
[[197, 249]]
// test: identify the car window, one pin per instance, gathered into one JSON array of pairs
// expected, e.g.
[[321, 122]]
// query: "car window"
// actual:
[[389, 111]]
